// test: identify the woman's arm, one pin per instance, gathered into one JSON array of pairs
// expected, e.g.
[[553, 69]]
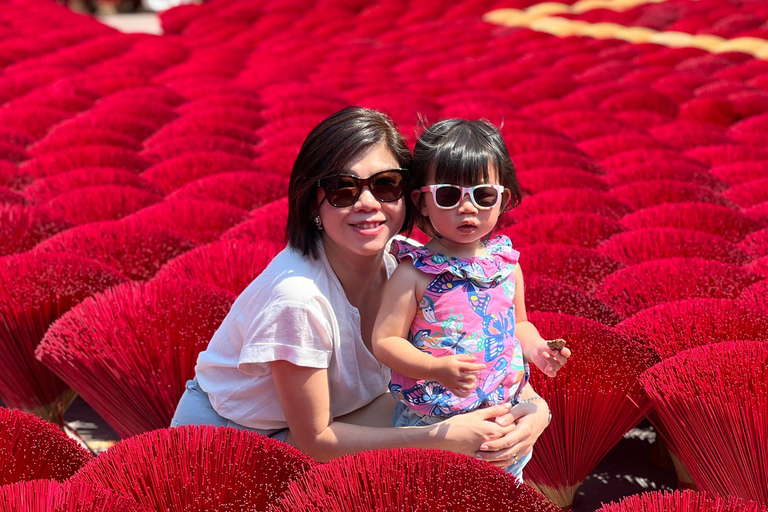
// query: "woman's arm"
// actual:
[[398, 308], [305, 398]]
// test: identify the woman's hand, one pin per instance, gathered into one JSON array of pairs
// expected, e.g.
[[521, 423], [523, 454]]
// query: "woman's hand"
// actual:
[[465, 433], [525, 423]]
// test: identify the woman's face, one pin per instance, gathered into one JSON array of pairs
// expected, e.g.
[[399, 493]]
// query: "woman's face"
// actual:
[[364, 228]]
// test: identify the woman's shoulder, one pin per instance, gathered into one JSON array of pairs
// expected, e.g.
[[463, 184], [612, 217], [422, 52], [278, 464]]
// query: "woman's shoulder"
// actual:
[[290, 277]]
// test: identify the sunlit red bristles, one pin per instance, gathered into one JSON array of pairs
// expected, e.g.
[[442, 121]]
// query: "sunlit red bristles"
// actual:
[[542, 294], [268, 222], [629, 290], [672, 327], [756, 244], [197, 220], [135, 249], [577, 266], [103, 346], [409, 480], [22, 227], [35, 290], [639, 245], [714, 396], [198, 469], [740, 172], [247, 190], [681, 501], [84, 156], [65, 139], [681, 170], [725, 222], [604, 146], [99, 203], [33, 449], [580, 229], [570, 200], [45, 189], [749, 193], [546, 178], [173, 173], [228, 264], [49, 496], [647, 193], [600, 376]]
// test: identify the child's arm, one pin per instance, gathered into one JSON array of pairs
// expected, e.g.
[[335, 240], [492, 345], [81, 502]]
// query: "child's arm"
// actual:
[[535, 348], [398, 308]]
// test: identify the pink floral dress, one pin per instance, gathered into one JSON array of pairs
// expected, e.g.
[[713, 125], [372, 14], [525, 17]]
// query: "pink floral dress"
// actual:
[[466, 309]]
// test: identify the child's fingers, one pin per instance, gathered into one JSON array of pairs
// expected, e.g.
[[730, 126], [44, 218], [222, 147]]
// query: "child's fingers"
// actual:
[[471, 367]]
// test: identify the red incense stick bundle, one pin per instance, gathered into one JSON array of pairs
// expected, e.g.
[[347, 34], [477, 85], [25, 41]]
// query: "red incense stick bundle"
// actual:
[[35, 290], [31, 449], [228, 264], [630, 290], [639, 245], [409, 480], [136, 249], [45, 189], [600, 377], [582, 229], [198, 469], [99, 203], [681, 501], [22, 227], [51, 496], [173, 173], [130, 350], [711, 397], [194, 219], [246, 190], [675, 326], [268, 222], [542, 294]]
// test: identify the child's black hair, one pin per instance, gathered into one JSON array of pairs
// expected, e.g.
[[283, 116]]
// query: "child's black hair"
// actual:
[[462, 152]]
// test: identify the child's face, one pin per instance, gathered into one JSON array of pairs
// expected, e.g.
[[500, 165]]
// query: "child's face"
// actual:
[[466, 223]]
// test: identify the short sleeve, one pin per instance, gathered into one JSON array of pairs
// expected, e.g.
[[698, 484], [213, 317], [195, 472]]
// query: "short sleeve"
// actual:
[[299, 333]]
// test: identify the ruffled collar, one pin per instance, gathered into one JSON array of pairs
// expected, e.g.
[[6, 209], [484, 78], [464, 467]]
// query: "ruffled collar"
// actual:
[[490, 268]]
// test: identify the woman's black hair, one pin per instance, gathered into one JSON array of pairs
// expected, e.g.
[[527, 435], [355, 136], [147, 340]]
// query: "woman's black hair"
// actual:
[[462, 152], [327, 150]]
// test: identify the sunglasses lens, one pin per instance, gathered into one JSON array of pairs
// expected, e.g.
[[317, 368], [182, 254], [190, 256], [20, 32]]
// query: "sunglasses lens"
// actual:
[[447, 197], [344, 193], [485, 197], [387, 186]]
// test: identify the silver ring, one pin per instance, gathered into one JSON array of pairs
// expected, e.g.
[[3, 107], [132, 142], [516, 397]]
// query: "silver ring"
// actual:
[[514, 457]]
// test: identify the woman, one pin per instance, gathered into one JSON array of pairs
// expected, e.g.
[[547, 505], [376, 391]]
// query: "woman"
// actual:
[[293, 357]]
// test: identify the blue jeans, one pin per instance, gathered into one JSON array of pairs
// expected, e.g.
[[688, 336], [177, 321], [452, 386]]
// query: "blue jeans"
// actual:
[[406, 417], [195, 409]]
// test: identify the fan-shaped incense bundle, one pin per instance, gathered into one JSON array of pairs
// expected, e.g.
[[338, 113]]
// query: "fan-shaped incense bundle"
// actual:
[[630, 290], [35, 290], [578, 266], [199, 221], [268, 222], [198, 469], [84, 156], [246, 190], [130, 350], [718, 220], [647, 193], [409, 480], [176, 172], [45, 189], [600, 376], [675, 326], [639, 245], [570, 200], [713, 396], [228, 264], [681, 501], [542, 294], [51, 496], [99, 203], [135, 249], [579, 229], [32, 449]]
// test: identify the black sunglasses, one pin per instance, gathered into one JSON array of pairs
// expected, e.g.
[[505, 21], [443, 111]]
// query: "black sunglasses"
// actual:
[[345, 189]]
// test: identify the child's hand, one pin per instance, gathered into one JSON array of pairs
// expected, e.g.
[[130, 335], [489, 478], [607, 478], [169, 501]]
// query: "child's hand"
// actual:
[[458, 374], [547, 360]]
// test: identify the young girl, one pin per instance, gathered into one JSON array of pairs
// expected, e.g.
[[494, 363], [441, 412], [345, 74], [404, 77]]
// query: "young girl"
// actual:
[[459, 299]]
